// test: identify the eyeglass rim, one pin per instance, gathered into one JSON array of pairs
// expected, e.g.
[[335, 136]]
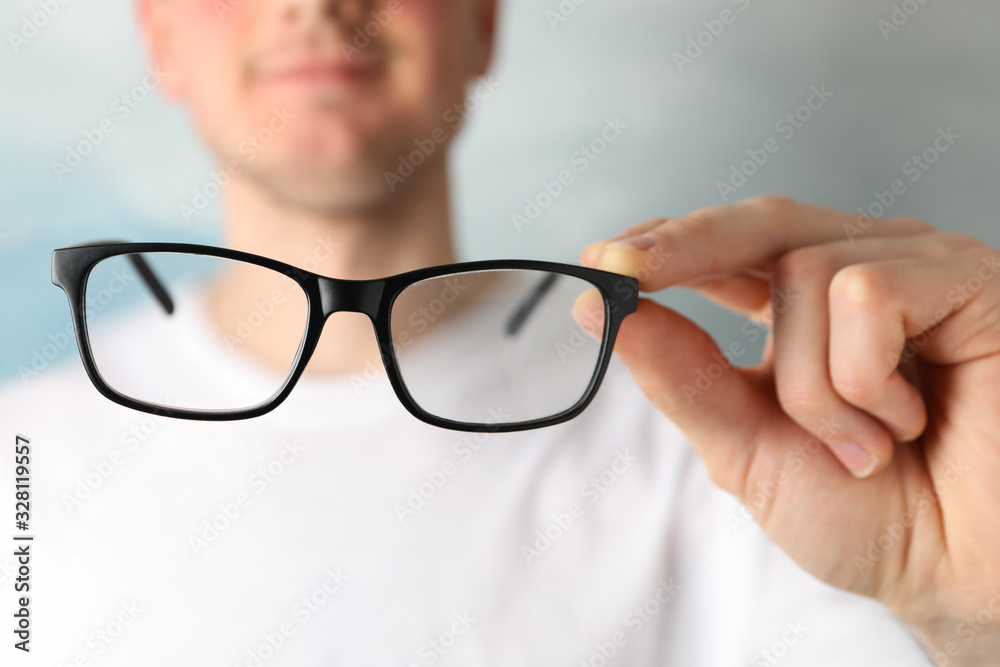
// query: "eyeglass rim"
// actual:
[[71, 267]]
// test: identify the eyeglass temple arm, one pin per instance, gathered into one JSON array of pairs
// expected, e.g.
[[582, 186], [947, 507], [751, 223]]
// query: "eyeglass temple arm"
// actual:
[[142, 266], [528, 305]]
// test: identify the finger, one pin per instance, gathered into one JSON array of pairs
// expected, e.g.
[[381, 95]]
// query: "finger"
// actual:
[[589, 254], [741, 293], [588, 311], [668, 355], [802, 322], [943, 308], [748, 292], [721, 240]]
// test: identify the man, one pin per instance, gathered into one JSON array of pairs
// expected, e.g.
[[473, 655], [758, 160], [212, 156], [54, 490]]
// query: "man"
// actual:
[[337, 530]]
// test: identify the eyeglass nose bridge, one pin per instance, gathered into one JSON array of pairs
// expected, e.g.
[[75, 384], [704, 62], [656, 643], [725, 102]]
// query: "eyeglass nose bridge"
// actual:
[[351, 296]]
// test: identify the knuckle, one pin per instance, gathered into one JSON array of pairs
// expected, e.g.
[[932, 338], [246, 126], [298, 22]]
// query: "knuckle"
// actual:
[[699, 228], [774, 202], [780, 210], [910, 223], [851, 383], [699, 221], [800, 399], [646, 226], [859, 286]]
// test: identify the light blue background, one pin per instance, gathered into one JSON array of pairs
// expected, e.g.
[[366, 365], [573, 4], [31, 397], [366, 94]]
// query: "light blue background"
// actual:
[[558, 85]]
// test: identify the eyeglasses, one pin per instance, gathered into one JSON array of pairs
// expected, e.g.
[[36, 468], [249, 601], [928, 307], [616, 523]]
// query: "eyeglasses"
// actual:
[[469, 346]]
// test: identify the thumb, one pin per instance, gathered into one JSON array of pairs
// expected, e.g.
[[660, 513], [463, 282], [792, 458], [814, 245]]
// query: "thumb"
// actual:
[[681, 370]]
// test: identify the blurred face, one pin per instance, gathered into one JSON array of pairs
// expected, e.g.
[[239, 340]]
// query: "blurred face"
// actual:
[[315, 100]]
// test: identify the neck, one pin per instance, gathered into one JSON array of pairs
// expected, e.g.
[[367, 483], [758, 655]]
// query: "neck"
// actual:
[[411, 230]]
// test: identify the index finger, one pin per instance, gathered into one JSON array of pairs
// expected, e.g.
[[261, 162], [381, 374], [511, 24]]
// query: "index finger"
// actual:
[[721, 240]]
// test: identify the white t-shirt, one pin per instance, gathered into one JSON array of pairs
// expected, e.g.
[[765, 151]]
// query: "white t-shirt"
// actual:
[[339, 530]]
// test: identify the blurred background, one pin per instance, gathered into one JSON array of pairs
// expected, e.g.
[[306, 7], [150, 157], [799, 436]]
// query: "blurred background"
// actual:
[[695, 89]]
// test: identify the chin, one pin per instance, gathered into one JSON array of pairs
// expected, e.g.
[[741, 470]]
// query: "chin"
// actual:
[[331, 189], [328, 145]]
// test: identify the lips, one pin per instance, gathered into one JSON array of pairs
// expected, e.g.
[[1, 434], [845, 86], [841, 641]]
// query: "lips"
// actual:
[[312, 72]]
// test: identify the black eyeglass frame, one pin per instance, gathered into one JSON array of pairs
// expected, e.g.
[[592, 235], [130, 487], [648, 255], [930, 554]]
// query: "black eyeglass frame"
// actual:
[[71, 267]]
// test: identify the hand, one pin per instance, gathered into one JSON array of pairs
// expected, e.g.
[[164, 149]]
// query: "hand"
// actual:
[[867, 442]]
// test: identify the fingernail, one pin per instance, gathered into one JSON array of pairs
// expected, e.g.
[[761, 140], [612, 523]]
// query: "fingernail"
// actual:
[[639, 242], [855, 458], [623, 256]]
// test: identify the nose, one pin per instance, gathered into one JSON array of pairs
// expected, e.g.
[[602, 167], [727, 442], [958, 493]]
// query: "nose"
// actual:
[[345, 12]]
